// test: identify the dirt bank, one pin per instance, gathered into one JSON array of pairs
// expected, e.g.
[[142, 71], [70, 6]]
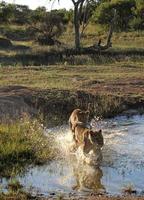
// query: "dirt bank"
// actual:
[[56, 105], [15, 100]]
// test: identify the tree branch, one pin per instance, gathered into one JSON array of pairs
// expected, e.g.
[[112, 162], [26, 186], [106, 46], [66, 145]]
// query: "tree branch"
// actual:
[[84, 25], [73, 2]]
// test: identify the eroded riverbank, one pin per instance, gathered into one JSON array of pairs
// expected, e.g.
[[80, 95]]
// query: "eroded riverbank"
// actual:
[[55, 105]]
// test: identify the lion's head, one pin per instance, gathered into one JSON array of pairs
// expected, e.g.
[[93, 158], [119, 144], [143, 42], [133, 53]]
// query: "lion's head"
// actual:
[[78, 116], [82, 116], [96, 137], [93, 140]]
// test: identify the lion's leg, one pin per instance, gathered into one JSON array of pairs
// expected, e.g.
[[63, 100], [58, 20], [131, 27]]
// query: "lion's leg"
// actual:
[[74, 138]]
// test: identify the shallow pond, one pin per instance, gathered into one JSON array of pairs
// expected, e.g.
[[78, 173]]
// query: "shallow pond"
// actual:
[[123, 162]]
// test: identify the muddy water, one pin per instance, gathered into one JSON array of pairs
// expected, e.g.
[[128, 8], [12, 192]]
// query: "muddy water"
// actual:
[[122, 166]]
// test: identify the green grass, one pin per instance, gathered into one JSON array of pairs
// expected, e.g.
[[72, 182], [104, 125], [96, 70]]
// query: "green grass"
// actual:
[[15, 191], [71, 77], [22, 142], [27, 52], [93, 32]]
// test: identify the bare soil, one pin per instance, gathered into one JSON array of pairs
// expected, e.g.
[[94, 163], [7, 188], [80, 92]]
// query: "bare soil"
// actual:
[[13, 102]]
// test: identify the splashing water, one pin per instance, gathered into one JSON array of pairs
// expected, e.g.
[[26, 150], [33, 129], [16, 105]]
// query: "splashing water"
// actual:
[[63, 142], [62, 139], [123, 161]]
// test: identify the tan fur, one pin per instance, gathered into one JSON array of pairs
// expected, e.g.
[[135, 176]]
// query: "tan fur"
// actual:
[[88, 177], [78, 116], [88, 139]]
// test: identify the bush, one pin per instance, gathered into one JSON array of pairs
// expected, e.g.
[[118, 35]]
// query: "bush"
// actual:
[[137, 23], [50, 28], [22, 142], [125, 13]]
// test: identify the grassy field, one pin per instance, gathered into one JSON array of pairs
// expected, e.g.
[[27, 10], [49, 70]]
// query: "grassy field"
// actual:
[[82, 77], [123, 40], [120, 40], [26, 52]]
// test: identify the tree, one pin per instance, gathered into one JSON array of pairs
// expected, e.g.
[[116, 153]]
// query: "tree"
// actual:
[[125, 13], [81, 15], [79, 7], [48, 28], [38, 14], [22, 14]]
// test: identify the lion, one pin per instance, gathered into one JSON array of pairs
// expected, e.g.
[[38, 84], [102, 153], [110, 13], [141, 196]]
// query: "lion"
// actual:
[[78, 116], [87, 138], [88, 144]]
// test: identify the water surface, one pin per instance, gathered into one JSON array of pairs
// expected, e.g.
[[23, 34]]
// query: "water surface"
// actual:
[[123, 162]]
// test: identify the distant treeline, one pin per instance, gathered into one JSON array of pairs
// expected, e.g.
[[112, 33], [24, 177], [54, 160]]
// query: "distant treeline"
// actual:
[[130, 14]]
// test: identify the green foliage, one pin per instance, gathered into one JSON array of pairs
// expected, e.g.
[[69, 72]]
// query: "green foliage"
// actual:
[[22, 142], [38, 14], [18, 14], [124, 8], [103, 13], [65, 15], [140, 8], [130, 14], [49, 28], [6, 12], [22, 14], [138, 22]]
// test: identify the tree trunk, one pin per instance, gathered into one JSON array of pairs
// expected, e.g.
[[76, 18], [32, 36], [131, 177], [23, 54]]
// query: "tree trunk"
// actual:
[[77, 27]]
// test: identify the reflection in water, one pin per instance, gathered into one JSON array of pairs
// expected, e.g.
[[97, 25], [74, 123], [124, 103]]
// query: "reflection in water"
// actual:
[[123, 161], [64, 177], [88, 177]]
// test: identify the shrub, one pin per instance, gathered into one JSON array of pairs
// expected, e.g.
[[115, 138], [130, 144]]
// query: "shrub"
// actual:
[[48, 29], [22, 142]]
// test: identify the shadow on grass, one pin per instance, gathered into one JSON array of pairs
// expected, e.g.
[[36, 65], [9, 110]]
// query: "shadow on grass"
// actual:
[[69, 56]]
